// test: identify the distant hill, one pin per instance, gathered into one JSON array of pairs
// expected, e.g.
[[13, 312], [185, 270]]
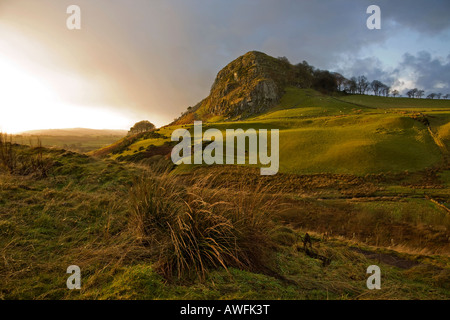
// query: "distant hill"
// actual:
[[75, 139], [75, 132]]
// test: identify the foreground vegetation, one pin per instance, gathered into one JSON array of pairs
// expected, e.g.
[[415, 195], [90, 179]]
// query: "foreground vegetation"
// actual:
[[142, 232]]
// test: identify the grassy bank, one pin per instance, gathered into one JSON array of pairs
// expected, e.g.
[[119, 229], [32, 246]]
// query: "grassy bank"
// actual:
[[93, 213]]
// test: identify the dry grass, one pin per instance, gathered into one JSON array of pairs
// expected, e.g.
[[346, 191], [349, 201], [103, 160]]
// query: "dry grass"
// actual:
[[154, 203], [37, 163], [29, 161], [207, 229], [192, 232], [8, 156]]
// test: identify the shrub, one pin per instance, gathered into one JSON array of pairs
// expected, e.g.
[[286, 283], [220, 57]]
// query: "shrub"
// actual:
[[141, 126]]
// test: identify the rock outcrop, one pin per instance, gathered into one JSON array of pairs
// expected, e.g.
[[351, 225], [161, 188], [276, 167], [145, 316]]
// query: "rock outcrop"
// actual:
[[251, 84]]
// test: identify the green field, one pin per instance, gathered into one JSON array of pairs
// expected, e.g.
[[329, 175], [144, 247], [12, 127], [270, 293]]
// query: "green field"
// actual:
[[346, 134], [397, 103]]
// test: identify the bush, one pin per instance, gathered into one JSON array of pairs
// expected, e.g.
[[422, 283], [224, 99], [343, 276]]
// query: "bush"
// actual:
[[141, 126]]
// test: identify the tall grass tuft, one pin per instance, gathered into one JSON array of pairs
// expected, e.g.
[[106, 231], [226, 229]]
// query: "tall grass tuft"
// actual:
[[200, 239], [154, 204], [38, 163], [20, 160], [192, 230], [8, 156], [249, 206]]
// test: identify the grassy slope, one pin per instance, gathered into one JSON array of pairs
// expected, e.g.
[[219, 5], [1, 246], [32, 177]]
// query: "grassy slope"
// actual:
[[79, 215], [349, 134]]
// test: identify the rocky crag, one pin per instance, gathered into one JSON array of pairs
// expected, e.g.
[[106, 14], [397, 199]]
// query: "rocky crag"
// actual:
[[251, 84]]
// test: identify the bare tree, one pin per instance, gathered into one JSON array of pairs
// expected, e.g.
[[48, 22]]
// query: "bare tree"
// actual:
[[420, 93], [411, 93], [363, 84], [385, 90], [351, 85], [446, 96], [431, 96], [340, 80], [395, 93], [438, 95], [376, 87]]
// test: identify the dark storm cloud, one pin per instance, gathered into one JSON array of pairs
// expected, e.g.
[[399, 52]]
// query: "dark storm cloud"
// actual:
[[428, 17], [421, 70], [372, 68], [158, 57], [431, 74]]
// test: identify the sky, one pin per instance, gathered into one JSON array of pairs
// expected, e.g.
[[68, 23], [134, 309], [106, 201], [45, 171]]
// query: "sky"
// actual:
[[151, 59]]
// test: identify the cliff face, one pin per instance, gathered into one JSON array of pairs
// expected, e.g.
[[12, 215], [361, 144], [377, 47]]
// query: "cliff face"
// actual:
[[248, 85]]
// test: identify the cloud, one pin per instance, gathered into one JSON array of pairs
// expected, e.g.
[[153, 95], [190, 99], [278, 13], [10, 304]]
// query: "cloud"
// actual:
[[429, 17], [421, 70], [371, 67], [429, 73]]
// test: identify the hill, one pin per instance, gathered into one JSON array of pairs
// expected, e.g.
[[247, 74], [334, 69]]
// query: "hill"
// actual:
[[322, 133], [250, 84], [76, 139], [74, 132]]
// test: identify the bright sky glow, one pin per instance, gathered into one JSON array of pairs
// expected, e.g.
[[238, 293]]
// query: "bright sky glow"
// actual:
[[27, 103]]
